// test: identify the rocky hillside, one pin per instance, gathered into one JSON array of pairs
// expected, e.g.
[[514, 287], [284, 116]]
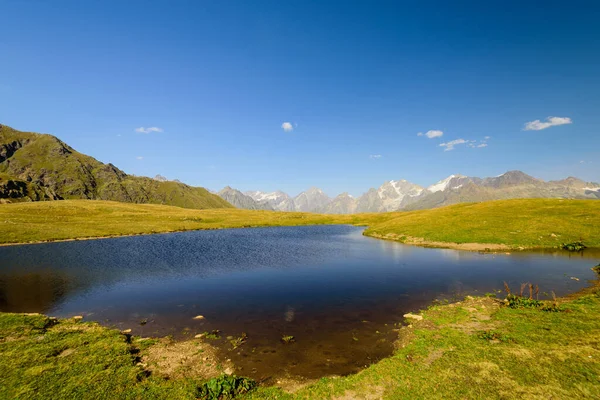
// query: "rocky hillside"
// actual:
[[36, 167], [341, 204], [240, 200], [311, 200], [277, 200]]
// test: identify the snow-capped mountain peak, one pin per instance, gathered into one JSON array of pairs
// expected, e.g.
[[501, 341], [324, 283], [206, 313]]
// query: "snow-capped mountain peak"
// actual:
[[443, 184]]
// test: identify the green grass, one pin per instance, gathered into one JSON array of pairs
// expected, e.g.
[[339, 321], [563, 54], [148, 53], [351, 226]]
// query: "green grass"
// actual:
[[527, 223], [40, 359], [42, 167], [68, 219], [530, 223], [473, 349]]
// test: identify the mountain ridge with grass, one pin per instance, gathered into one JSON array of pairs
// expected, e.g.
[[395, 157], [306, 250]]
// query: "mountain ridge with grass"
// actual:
[[38, 167]]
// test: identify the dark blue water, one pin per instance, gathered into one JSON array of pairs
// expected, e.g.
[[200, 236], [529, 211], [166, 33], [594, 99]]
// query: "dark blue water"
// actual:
[[318, 283]]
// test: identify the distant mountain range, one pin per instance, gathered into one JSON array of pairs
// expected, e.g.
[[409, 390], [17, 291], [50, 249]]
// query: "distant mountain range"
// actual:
[[37, 167], [240, 200], [404, 195]]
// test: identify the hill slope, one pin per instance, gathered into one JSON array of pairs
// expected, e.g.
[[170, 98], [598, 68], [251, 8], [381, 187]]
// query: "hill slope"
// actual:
[[37, 167], [528, 223]]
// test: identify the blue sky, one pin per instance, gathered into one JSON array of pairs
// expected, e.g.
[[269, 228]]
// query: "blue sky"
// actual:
[[357, 81]]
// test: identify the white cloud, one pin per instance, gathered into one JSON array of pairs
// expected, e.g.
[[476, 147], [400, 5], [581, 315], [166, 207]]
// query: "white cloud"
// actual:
[[287, 126], [141, 129], [538, 125], [375, 156], [450, 145], [481, 144], [431, 134], [139, 158], [487, 137]]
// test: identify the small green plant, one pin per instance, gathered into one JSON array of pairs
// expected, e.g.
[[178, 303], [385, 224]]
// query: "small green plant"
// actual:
[[596, 269], [520, 301], [495, 336], [238, 341], [225, 387], [574, 246], [214, 334], [288, 339], [514, 301], [552, 306]]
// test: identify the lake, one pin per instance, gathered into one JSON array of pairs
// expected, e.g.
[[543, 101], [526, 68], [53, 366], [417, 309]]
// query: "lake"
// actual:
[[339, 293]]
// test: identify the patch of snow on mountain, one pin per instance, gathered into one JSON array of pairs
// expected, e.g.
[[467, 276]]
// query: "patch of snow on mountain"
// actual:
[[441, 185]]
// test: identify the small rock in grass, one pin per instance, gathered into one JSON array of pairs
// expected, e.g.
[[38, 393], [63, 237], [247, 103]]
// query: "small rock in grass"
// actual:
[[199, 336], [413, 316], [126, 331], [78, 318]]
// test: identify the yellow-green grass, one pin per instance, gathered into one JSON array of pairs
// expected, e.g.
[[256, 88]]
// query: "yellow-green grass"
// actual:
[[77, 219], [528, 223], [469, 350]]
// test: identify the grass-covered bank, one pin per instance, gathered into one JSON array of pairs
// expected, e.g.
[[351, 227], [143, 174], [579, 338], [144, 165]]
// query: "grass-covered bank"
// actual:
[[45, 358], [478, 348], [510, 224], [80, 219], [504, 224]]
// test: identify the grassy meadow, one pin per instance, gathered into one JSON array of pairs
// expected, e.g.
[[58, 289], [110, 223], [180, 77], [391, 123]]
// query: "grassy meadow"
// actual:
[[525, 223], [71, 219]]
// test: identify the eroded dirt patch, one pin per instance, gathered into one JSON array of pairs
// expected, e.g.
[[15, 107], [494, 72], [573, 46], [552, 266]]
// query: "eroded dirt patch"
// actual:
[[190, 359]]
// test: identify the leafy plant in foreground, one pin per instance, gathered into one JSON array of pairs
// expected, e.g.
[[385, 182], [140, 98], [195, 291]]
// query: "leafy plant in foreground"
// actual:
[[520, 301], [225, 387]]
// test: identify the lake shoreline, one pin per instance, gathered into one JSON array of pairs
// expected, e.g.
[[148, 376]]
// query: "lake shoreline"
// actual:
[[496, 226], [474, 316], [398, 238]]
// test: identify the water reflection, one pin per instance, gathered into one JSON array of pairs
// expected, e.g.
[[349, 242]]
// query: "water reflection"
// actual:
[[32, 291]]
